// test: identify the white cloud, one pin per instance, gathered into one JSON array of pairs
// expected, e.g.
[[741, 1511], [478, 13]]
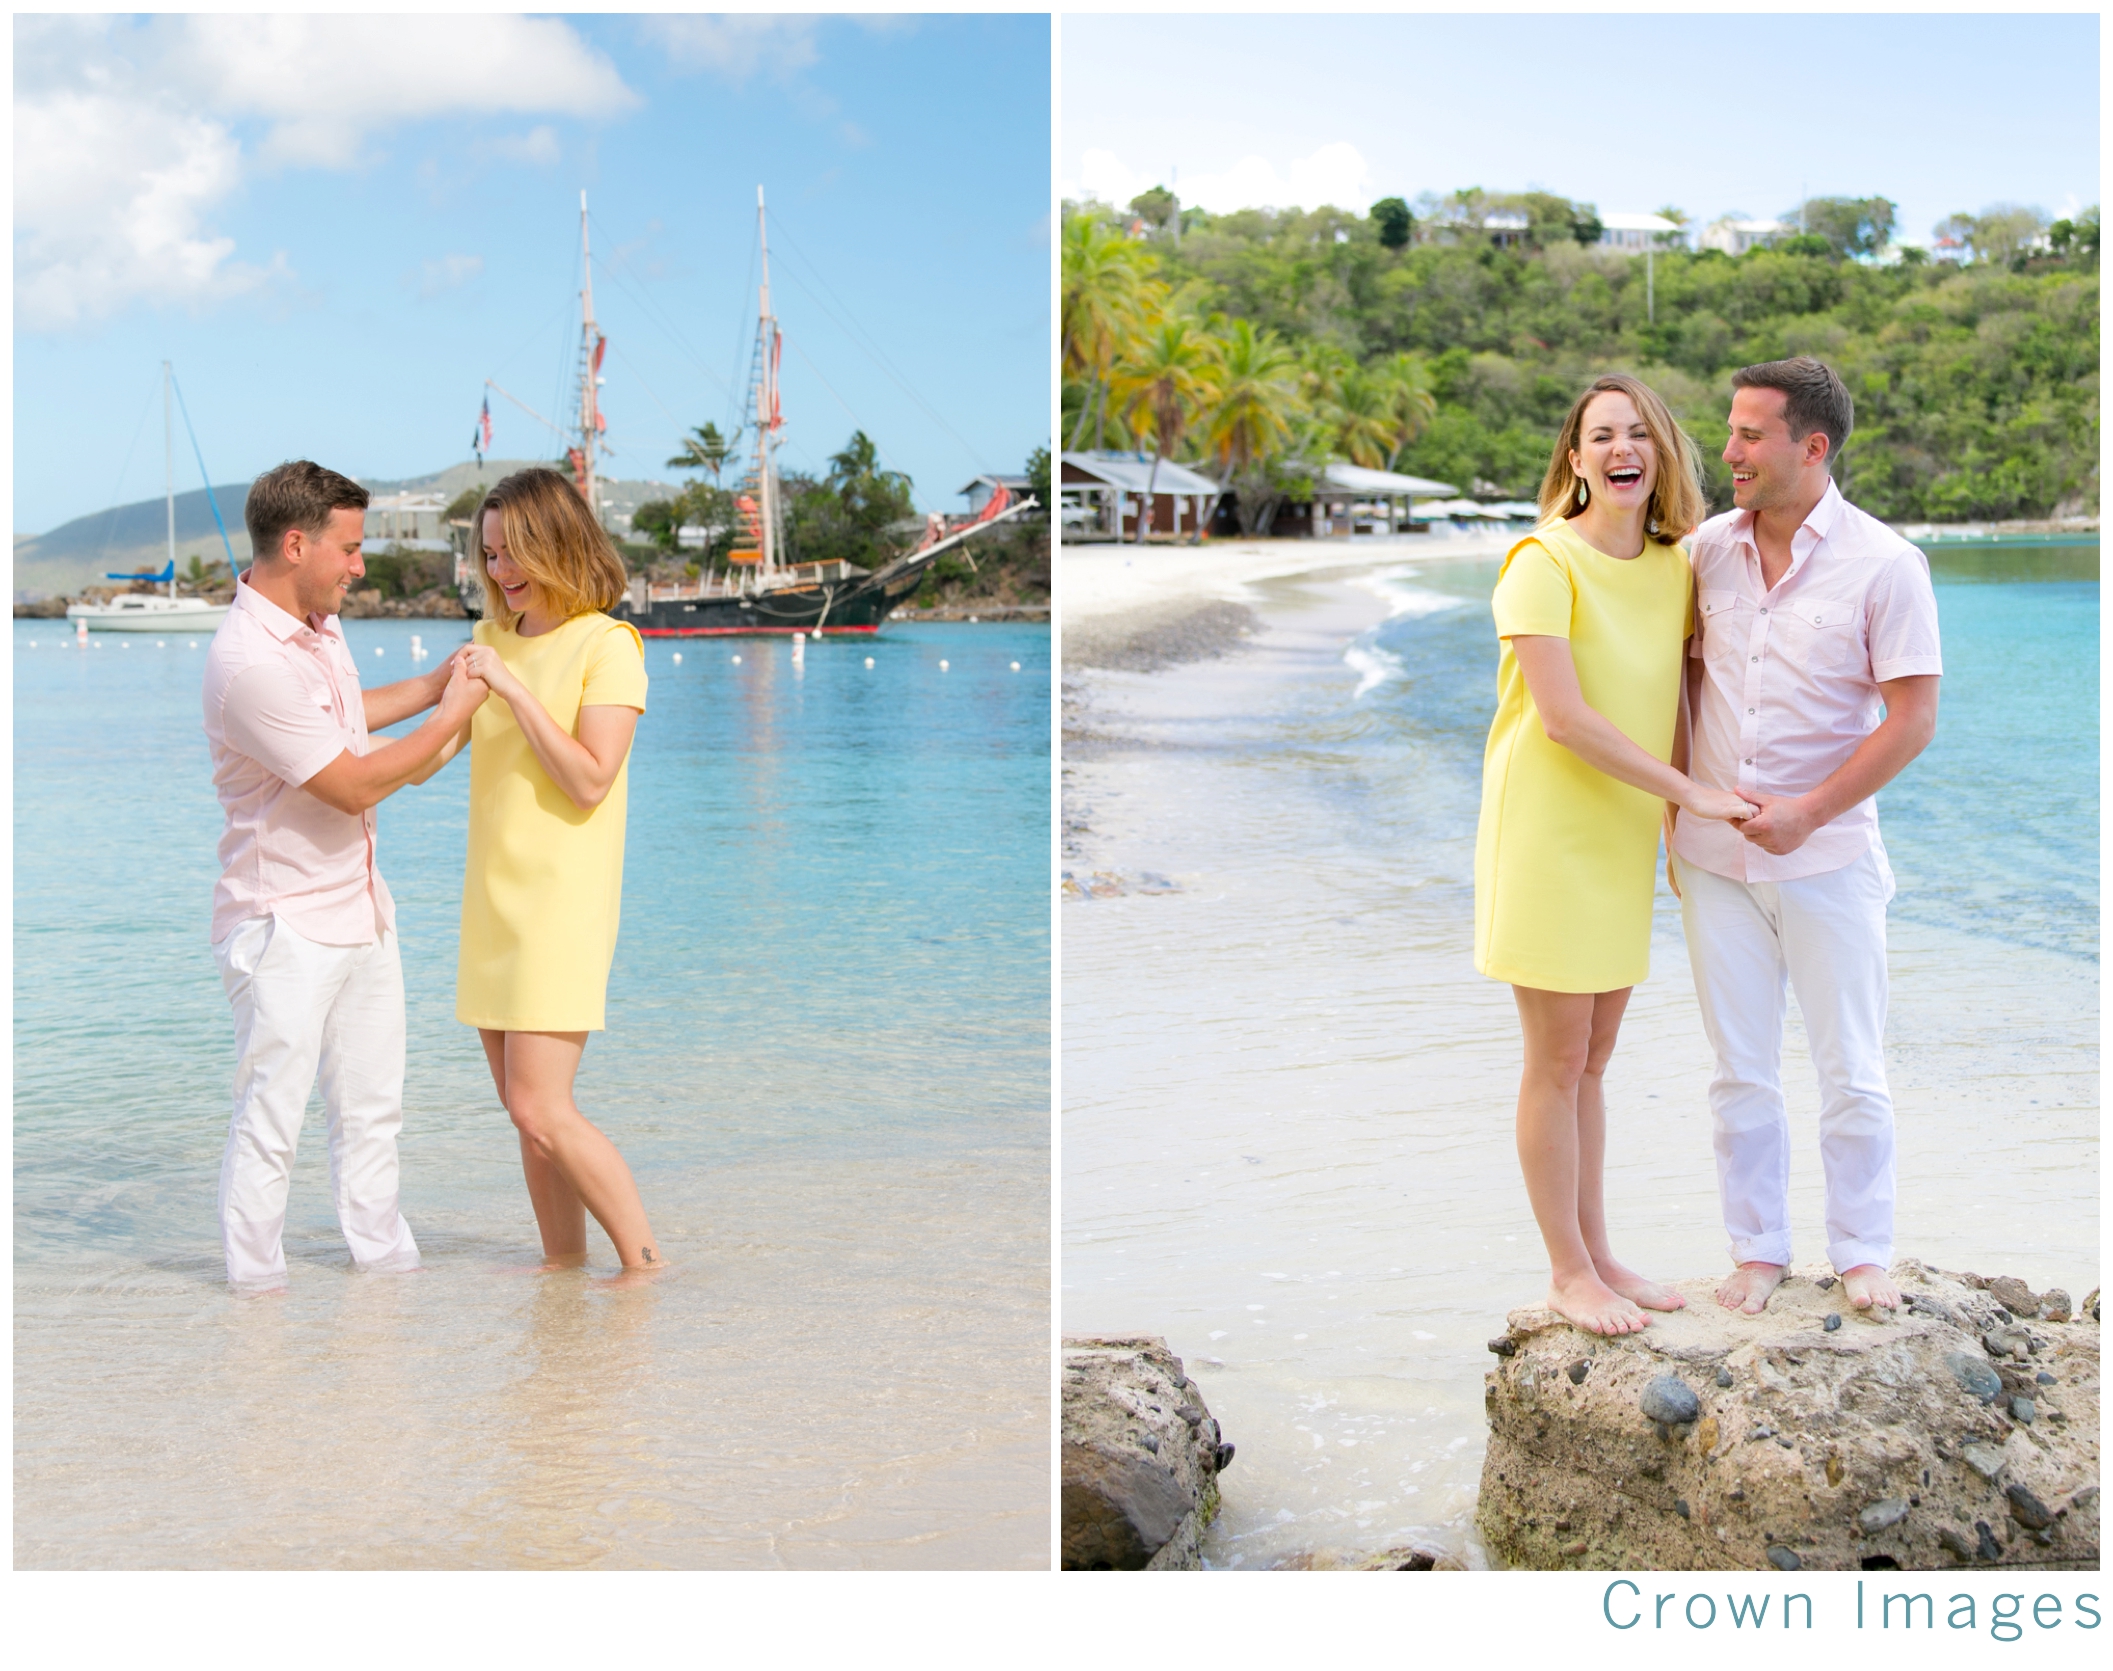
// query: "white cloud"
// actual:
[[1336, 174], [450, 272], [736, 45], [129, 134], [538, 146]]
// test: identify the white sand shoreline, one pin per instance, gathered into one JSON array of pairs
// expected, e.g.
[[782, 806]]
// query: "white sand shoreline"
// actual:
[[1102, 580]]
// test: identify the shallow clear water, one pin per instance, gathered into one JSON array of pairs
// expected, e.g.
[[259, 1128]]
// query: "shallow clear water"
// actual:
[[827, 1065], [1288, 1097]]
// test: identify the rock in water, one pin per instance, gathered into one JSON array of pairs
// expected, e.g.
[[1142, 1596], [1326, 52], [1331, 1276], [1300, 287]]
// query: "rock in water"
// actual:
[[1141, 1458], [1881, 1444], [1668, 1399]]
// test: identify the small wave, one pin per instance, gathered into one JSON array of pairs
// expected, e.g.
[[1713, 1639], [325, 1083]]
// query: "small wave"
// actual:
[[1373, 667], [1388, 585]]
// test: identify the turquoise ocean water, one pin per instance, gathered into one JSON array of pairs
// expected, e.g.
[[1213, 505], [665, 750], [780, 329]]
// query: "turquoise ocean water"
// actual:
[[827, 1064]]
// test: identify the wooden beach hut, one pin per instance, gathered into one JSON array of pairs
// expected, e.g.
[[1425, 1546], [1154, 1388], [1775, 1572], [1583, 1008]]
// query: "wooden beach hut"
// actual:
[[1102, 494]]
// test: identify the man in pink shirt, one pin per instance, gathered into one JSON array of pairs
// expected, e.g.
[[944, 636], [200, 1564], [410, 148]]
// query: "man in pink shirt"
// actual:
[[1813, 683], [303, 929]]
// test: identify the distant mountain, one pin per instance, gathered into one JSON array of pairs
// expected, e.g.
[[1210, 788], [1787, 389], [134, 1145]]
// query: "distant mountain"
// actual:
[[134, 537]]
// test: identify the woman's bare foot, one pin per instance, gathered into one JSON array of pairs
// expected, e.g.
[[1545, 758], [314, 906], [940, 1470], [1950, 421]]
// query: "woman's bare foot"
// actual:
[[1868, 1286], [1594, 1307], [1654, 1296], [1747, 1288]]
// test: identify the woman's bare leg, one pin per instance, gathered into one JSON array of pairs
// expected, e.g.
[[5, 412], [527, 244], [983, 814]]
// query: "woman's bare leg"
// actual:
[[561, 1217], [1559, 1034], [1607, 1011], [570, 1167]]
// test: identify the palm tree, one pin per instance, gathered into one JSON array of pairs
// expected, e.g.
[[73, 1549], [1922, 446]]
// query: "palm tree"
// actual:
[[1360, 417], [1257, 398], [1166, 378], [1108, 296], [1409, 400], [705, 449]]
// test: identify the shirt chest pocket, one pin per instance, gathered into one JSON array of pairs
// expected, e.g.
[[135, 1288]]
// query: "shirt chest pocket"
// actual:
[[1719, 622], [1821, 635]]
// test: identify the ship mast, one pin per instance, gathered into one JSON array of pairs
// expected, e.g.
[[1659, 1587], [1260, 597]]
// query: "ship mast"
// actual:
[[590, 366], [766, 405], [168, 468]]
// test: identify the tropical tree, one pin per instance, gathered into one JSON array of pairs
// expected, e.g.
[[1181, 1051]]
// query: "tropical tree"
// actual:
[[1108, 297], [1251, 417], [705, 449], [1168, 376], [1410, 400], [1360, 418]]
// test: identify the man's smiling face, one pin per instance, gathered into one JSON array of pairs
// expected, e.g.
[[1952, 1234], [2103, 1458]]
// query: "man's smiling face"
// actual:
[[1767, 466]]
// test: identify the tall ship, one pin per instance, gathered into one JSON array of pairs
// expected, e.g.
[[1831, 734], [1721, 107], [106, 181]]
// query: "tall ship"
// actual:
[[764, 588]]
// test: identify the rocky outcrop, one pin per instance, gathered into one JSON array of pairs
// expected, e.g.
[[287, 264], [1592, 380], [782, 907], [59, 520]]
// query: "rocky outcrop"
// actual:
[[1142, 1456], [1963, 1432]]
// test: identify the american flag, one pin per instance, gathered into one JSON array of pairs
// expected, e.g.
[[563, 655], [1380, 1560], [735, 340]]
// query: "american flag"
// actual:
[[481, 436]]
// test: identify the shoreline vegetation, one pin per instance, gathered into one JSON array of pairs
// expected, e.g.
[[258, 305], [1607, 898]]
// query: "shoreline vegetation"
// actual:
[[858, 513], [1447, 341]]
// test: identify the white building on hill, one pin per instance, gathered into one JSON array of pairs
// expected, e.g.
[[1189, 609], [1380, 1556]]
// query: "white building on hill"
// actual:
[[1633, 234], [1735, 236]]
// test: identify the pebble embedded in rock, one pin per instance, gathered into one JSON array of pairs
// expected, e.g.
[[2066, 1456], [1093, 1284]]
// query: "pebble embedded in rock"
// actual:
[[1680, 1507], [1504, 1346], [2009, 1291], [2027, 1510], [1150, 1441], [1783, 1560], [2023, 1409], [1834, 1321], [1986, 1460], [1578, 1371], [1976, 1375], [1986, 1549], [1825, 1283], [1224, 1457], [1955, 1542], [2054, 1306], [1723, 1377], [2045, 1379], [1891, 1511], [1190, 1414], [1669, 1400]]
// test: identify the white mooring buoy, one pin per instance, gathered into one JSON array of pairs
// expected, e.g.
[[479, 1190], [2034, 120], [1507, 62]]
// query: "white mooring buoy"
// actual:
[[942, 667], [1016, 667], [869, 661], [678, 658], [377, 649], [737, 661]]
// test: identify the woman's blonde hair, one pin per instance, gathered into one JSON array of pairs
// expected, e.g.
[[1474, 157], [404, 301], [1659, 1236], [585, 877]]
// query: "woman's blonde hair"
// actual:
[[1678, 503], [554, 540]]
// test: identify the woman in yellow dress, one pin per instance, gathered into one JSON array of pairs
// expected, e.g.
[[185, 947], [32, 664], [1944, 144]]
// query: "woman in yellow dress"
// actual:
[[1593, 611], [544, 880]]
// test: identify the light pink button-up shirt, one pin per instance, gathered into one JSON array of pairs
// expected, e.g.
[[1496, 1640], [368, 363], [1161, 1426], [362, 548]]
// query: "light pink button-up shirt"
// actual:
[[282, 700], [1791, 676]]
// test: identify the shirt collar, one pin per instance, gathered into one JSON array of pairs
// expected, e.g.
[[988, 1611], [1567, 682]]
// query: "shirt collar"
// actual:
[[275, 620], [1818, 525]]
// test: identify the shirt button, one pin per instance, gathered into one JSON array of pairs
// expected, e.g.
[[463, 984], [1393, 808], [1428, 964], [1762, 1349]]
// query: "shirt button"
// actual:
[[1764, 612], [1753, 658], [1749, 710]]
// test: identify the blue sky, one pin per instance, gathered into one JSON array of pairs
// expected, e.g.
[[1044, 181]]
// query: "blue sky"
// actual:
[[1711, 113], [338, 228]]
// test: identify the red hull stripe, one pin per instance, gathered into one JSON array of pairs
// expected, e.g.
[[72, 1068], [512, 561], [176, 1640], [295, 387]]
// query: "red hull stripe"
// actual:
[[744, 632]]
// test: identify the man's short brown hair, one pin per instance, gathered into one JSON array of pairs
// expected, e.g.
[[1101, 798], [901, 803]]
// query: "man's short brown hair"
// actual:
[[297, 494], [1813, 398]]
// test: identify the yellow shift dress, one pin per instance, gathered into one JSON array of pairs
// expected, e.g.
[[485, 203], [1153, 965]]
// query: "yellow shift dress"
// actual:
[[1566, 856], [544, 881]]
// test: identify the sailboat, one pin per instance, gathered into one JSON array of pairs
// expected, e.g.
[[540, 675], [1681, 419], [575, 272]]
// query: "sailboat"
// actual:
[[152, 611], [764, 590]]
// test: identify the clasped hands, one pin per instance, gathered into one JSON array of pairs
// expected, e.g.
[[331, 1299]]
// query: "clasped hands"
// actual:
[[1774, 823]]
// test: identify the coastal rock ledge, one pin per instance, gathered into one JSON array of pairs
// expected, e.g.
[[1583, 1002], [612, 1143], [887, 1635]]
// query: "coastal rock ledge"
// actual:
[[1142, 1456], [1963, 1433]]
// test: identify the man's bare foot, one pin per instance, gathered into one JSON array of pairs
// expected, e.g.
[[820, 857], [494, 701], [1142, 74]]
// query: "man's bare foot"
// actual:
[[1594, 1307], [1747, 1288], [1867, 1286], [1654, 1296]]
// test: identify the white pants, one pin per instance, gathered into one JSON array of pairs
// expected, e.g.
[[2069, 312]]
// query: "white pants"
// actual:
[[1827, 934], [300, 1009]]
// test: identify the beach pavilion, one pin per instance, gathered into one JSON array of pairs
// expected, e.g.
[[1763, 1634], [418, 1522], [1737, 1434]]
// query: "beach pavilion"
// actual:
[[1102, 494], [1350, 499]]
